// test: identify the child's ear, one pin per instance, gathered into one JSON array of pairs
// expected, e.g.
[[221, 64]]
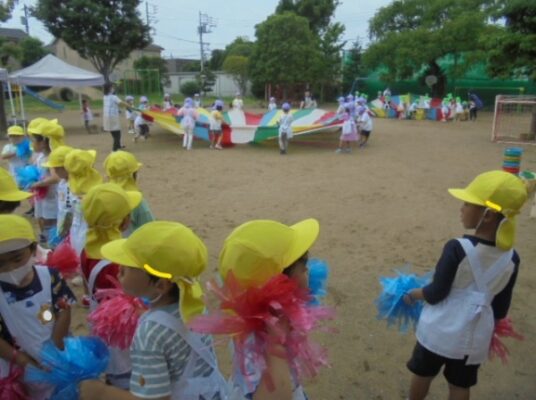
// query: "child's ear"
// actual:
[[164, 286], [125, 223]]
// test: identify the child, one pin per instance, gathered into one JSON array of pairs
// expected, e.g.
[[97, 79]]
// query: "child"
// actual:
[[216, 119], [238, 103], [197, 100], [107, 210], [17, 152], [10, 195], [285, 128], [364, 122], [87, 115], [122, 169], [167, 103], [272, 105], [256, 252], [341, 109], [161, 262], [56, 162], [81, 178], [46, 206], [349, 132], [472, 287], [34, 301], [141, 126], [189, 117], [130, 114]]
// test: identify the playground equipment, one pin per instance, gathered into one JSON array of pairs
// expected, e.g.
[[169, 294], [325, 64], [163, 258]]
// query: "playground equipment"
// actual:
[[514, 120]]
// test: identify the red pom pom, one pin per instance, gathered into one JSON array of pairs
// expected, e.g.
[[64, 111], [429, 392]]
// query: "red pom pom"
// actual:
[[503, 328], [65, 259], [116, 318], [258, 318], [11, 387]]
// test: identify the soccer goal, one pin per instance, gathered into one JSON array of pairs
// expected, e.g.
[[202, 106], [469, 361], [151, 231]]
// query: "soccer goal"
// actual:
[[514, 120]]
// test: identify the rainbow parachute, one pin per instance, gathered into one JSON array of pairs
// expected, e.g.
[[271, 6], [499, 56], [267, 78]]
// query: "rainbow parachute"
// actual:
[[245, 127]]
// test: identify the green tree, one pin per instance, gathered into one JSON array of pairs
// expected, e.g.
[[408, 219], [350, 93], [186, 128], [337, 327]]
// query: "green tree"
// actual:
[[285, 51], [352, 66], [241, 46], [9, 51], [104, 32], [317, 12], [32, 50], [409, 35], [206, 80], [6, 8], [216, 59], [512, 50], [238, 68]]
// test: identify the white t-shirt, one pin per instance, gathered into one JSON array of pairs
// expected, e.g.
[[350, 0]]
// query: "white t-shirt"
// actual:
[[238, 104], [110, 113], [14, 162], [285, 123], [365, 122]]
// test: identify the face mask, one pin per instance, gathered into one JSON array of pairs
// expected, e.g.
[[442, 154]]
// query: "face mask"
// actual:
[[147, 301], [16, 276]]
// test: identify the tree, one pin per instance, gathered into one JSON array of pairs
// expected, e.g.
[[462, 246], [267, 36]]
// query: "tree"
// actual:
[[238, 67], [104, 32], [9, 51], [241, 46], [216, 59], [206, 80], [32, 50], [6, 8], [512, 50], [155, 63], [409, 35], [317, 12], [352, 66]]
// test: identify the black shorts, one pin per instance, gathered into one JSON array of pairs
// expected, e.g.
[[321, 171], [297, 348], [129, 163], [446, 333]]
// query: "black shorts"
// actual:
[[425, 363], [365, 133]]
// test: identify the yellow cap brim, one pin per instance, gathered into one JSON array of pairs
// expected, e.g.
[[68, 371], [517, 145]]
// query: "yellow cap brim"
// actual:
[[115, 252], [18, 195], [306, 234], [464, 195], [134, 199], [15, 134], [50, 164]]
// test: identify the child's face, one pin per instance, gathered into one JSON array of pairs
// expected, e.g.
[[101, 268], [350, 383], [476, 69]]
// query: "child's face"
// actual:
[[471, 215], [136, 282], [15, 139], [299, 272], [61, 172], [13, 260], [38, 145]]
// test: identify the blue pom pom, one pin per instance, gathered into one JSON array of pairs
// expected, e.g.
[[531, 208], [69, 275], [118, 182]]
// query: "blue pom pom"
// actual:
[[318, 276], [391, 305], [53, 238], [24, 149], [83, 358], [27, 176]]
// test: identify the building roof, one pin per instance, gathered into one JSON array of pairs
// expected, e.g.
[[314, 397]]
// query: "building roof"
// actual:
[[11, 33], [154, 47]]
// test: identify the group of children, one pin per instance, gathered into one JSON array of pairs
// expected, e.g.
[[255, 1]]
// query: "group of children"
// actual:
[[357, 123], [111, 228]]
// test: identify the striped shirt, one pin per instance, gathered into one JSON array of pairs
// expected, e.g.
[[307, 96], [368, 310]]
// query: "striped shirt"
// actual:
[[159, 358]]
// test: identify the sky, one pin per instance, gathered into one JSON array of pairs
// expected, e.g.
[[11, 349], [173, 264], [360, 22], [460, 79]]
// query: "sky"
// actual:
[[175, 22]]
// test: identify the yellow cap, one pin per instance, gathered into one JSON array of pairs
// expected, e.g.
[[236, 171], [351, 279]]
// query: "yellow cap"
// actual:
[[105, 207], [82, 175], [15, 233], [57, 157], [15, 130], [54, 132], [120, 167], [9, 190], [166, 250], [499, 191], [34, 127], [259, 250]]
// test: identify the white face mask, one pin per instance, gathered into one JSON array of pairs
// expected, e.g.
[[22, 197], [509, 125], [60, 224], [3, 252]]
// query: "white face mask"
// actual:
[[16, 276]]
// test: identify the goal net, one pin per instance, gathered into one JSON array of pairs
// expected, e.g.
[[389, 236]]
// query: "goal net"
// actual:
[[514, 119]]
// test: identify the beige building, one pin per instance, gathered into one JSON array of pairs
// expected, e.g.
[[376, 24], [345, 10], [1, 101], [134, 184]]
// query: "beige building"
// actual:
[[61, 50]]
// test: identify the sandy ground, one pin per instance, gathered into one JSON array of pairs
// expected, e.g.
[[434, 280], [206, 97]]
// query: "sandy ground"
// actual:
[[379, 208]]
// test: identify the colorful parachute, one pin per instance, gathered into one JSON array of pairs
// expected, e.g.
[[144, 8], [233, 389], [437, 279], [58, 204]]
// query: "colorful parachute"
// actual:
[[245, 127]]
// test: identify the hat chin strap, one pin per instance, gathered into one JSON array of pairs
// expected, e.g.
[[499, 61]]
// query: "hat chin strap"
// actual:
[[481, 219]]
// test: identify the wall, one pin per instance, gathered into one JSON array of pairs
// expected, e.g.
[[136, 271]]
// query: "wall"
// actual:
[[224, 86]]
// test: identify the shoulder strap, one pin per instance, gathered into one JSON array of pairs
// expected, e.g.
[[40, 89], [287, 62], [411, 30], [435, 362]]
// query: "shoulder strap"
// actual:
[[474, 263], [499, 266], [193, 339], [94, 273]]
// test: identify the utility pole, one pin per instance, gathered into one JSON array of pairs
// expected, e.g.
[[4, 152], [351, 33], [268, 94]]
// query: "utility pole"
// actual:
[[25, 20], [147, 13], [205, 25]]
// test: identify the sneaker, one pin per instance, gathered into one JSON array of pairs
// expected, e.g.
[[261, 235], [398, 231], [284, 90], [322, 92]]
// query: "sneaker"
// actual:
[[339, 151], [85, 301], [347, 151], [131, 131], [218, 147]]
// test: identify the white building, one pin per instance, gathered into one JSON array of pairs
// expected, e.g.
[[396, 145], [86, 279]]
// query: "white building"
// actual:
[[225, 86]]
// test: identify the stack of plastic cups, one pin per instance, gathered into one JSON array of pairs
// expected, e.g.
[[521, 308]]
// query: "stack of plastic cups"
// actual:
[[512, 160]]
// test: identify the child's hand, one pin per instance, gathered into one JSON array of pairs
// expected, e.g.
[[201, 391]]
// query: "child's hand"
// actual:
[[91, 389], [409, 299], [22, 359]]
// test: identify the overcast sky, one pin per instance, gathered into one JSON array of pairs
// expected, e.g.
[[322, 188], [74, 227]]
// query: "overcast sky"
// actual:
[[175, 22]]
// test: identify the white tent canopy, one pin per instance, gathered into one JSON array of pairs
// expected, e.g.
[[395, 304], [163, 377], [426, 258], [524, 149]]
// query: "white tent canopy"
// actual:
[[51, 71]]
